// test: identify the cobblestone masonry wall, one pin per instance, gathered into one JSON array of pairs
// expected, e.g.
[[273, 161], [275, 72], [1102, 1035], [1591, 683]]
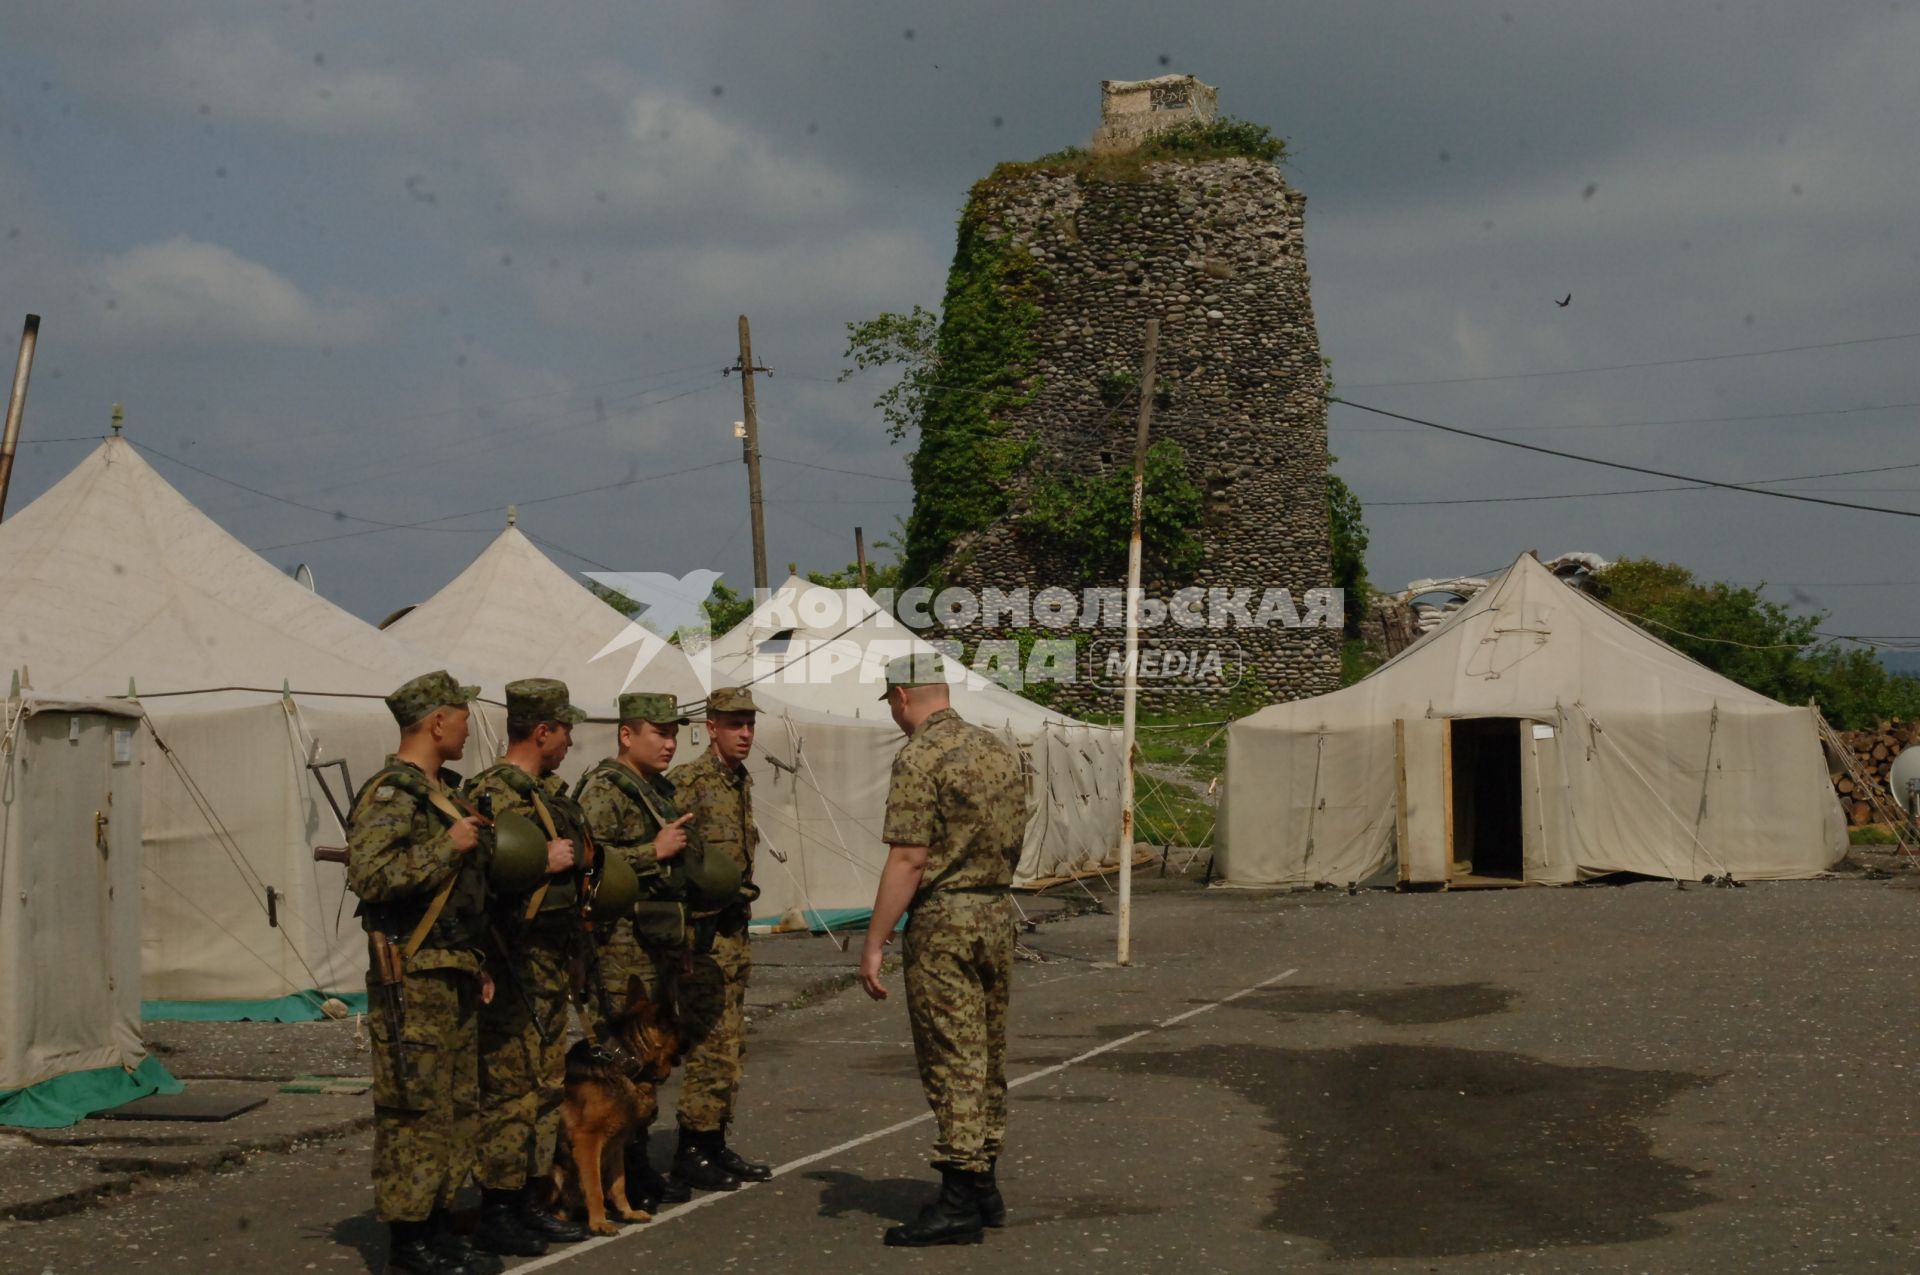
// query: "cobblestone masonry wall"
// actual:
[[1216, 250]]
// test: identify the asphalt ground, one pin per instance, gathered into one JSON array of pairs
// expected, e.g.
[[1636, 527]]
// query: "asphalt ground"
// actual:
[[1602, 1079]]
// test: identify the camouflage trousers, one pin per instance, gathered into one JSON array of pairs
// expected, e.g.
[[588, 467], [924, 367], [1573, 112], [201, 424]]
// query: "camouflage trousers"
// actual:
[[713, 1013], [423, 1119], [623, 955], [959, 964], [522, 1078], [624, 958]]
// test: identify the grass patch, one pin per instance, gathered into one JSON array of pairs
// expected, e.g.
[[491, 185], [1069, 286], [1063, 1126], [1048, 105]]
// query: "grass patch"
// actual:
[[1356, 661], [1872, 834], [1170, 814]]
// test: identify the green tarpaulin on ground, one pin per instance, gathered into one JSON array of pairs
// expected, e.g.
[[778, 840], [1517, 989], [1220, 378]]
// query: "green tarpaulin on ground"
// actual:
[[301, 1007], [69, 1099]]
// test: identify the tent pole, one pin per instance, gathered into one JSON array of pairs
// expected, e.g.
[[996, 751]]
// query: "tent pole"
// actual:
[[17, 405], [1128, 714]]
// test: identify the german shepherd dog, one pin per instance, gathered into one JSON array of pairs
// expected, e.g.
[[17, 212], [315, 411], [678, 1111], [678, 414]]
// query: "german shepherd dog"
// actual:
[[609, 1098]]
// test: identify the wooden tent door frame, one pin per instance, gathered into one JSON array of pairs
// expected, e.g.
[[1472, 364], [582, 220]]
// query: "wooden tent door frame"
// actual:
[[1423, 800]]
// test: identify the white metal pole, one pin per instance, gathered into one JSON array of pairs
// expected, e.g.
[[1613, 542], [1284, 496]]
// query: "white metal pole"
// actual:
[[1124, 954]]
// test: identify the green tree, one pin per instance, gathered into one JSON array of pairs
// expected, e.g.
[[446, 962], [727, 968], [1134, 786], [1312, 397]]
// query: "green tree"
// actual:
[[1091, 518], [1348, 537], [1760, 644], [725, 608]]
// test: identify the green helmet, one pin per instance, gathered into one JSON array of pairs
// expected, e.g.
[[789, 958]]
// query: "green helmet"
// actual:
[[519, 854], [711, 877], [618, 891]]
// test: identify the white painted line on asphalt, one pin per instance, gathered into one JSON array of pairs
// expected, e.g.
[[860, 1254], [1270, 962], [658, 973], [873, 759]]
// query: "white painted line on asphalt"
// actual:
[[792, 1166]]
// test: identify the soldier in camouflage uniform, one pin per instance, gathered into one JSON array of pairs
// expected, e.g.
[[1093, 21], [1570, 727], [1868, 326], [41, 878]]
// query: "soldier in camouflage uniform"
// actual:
[[956, 816], [629, 806], [418, 864], [523, 1033], [717, 789]]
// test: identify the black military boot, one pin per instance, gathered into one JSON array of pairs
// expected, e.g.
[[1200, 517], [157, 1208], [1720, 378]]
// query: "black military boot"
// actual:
[[730, 1160], [646, 1189], [500, 1229], [993, 1209], [411, 1252], [952, 1218], [538, 1220], [695, 1167], [447, 1241]]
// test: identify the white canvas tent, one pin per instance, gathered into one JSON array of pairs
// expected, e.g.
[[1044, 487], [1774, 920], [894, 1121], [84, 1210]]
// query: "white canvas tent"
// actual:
[[69, 908], [1538, 736], [113, 578], [514, 614], [816, 659]]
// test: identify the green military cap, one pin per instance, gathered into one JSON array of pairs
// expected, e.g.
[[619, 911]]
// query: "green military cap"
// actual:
[[651, 706], [730, 699], [533, 700], [922, 668], [423, 694]]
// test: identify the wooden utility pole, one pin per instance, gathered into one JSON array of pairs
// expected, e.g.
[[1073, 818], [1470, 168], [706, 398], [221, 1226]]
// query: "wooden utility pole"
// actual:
[[17, 405], [1124, 953], [750, 446], [860, 555]]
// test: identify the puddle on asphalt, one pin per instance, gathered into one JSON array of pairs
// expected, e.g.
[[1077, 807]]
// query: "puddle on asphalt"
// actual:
[[1409, 1006], [1401, 1151]]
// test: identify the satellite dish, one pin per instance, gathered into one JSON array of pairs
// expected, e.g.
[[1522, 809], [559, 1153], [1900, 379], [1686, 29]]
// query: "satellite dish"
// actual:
[[1906, 770], [303, 574]]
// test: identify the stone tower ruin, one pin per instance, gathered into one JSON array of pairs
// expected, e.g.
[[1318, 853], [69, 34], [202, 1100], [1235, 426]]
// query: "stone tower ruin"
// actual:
[[1172, 215]]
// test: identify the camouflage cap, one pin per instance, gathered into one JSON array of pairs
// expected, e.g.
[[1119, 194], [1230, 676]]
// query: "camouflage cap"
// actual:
[[730, 699], [533, 700], [922, 668], [651, 706], [423, 694]]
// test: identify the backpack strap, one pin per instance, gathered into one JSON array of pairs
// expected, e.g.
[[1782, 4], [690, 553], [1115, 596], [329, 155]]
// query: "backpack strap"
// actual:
[[432, 795]]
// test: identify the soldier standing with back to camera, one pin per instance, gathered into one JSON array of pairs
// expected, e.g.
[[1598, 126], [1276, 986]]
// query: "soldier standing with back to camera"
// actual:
[[523, 1032], [418, 861], [629, 807], [956, 815], [717, 789]]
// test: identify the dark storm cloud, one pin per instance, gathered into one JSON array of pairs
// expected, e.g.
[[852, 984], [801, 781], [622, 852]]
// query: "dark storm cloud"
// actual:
[[467, 255]]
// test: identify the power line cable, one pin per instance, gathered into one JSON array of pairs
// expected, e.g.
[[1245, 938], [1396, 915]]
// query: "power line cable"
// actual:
[[856, 473], [426, 524], [1635, 491], [1633, 469], [1684, 420], [1627, 367]]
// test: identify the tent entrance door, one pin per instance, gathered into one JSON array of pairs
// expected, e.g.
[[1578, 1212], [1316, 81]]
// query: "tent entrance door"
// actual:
[[1485, 806]]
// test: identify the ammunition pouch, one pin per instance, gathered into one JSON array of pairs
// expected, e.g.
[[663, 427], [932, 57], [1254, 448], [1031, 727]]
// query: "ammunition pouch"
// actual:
[[659, 923], [705, 930]]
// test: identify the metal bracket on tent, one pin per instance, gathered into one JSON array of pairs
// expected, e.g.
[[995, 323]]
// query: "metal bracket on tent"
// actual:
[[318, 769]]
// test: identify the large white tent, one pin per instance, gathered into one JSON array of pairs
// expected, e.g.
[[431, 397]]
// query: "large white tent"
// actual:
[[514, 614], [816, 659], [113, 579], [70, 911], [1535, 736]]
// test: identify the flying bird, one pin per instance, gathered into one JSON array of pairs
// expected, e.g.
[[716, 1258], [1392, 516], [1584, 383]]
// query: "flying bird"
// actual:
[[1565, 301]]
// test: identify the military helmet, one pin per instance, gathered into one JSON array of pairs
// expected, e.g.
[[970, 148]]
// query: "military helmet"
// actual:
[[712, 878], [519, 854], [619, 889]]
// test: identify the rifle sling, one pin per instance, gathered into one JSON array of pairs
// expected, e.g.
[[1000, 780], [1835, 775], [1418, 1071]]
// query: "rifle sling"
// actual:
[[553, 834]]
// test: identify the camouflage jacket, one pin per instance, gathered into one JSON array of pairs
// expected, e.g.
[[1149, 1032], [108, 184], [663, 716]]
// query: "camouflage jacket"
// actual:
[[625, 811], [398, 858], [511, 788], [624, 825], [722, 801], [958, 790]]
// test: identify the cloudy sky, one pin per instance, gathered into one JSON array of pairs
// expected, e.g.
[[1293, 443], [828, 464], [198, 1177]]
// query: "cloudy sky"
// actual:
[[412, 263]]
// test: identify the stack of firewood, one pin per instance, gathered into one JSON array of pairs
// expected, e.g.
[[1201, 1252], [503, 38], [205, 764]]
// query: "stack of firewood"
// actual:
[[1867, 798]]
